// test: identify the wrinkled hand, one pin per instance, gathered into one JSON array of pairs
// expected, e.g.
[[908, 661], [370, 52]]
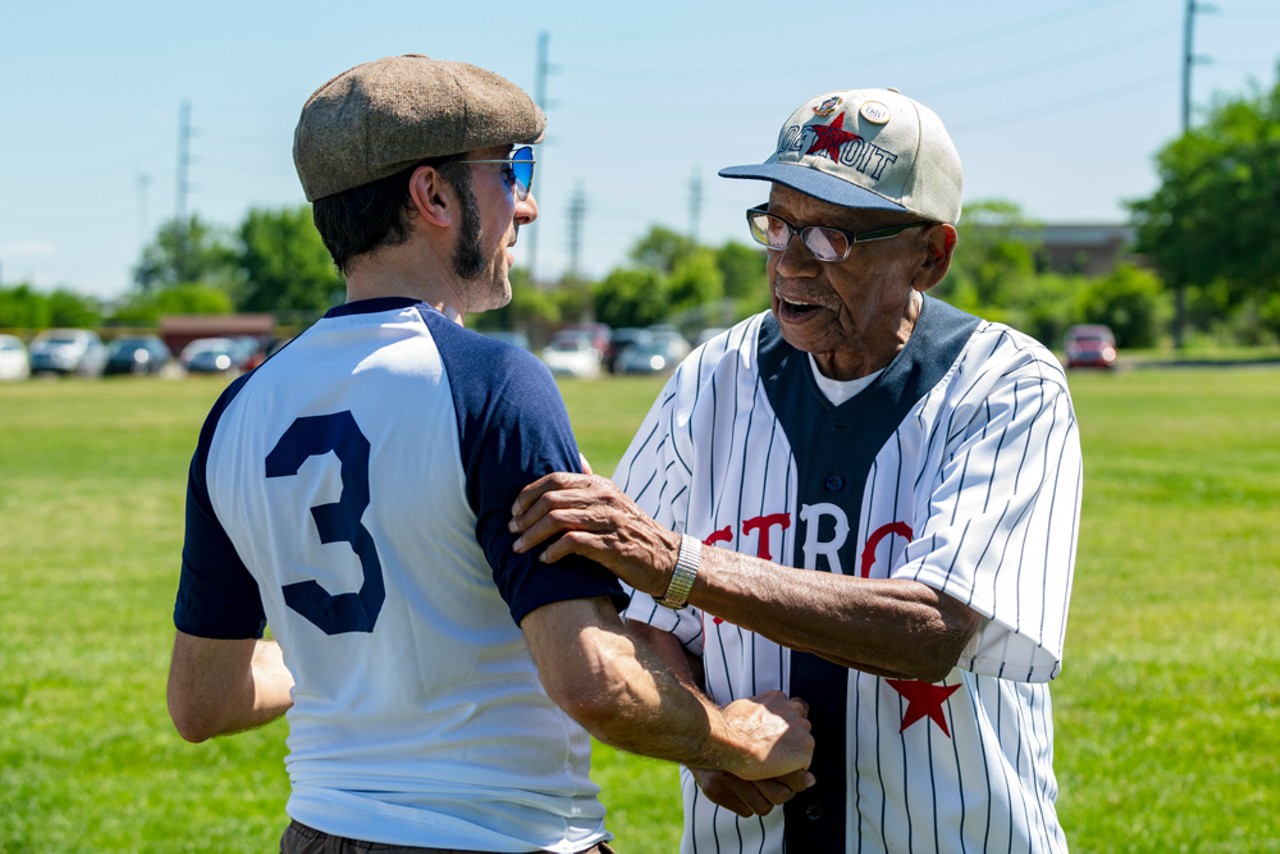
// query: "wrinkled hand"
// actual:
[[594, 518], [750, 797], [774, 731]]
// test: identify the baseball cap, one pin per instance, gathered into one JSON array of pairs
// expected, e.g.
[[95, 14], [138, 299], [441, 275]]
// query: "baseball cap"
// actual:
[[383, 116], [867, 148]]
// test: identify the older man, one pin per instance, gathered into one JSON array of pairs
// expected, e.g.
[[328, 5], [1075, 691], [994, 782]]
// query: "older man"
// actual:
[[354, 493], [892, 489]]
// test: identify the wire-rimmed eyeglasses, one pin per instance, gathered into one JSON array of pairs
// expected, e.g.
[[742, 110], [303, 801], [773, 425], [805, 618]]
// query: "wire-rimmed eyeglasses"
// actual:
[[823, 242]]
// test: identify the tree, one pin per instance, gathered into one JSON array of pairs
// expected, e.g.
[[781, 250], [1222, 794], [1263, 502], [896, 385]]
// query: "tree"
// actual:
[[284, 263], [632, 297], [994, 259], [696, 284], [198, 252], [23, 308], [1129, 300], [141, 307], [1214, 221], [70, 309], [662, 249], [746, 283]]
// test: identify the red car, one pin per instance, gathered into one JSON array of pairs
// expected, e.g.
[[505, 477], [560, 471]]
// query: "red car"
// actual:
[[1091, 346]]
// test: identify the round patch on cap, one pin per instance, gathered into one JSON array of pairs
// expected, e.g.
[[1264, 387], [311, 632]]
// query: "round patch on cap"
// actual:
[[875, 112]]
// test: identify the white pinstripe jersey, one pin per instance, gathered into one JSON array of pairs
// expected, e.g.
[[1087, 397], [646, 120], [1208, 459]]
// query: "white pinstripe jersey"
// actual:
[[959, 467]]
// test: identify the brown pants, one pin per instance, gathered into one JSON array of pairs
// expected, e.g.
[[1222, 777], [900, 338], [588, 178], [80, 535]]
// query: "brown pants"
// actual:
[[300, 839]]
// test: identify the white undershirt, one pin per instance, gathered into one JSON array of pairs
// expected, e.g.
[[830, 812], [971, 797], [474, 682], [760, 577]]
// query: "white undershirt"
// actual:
[[838, 391]]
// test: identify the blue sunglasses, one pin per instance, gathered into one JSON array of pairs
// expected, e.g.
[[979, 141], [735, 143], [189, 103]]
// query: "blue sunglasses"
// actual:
[[518, 171]]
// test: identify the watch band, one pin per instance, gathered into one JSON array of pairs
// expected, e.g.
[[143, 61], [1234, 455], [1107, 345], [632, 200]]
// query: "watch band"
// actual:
[[687, 563]]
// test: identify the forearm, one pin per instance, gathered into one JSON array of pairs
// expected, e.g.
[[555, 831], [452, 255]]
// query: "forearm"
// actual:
[[640, 706], [270, 689], [218, 687], [889, 627], [621, 692], [685, 666]]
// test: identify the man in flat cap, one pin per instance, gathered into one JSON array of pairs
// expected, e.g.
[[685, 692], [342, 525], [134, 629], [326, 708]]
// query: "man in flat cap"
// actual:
[[354, 493]]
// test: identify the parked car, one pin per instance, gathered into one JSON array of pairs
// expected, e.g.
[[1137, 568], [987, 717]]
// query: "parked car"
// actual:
[[599, 334], [572, 355], [622, 339], [137, 355], [213, 356], [707, 334], [14, 364], [253, 351], [658, 356], [1090, 345], [670, 338], [68, 351]]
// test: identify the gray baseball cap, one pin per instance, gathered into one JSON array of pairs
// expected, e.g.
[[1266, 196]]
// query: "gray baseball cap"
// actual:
[[867, 148], [383, 116]]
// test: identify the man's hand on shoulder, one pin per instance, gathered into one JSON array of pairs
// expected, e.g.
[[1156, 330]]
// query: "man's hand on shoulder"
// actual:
[[590, 516]]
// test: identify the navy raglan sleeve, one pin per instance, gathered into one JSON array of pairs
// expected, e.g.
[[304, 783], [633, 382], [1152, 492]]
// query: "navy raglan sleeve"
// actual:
[[514, 429], [217, 597]]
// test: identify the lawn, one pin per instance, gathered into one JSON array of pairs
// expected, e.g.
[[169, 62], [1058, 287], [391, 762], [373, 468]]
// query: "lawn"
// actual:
[[1168, 709]]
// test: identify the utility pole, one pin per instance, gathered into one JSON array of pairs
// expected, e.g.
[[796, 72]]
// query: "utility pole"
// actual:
[[540, 98], [695, 204], [577, 216], [143, 180], [180, 204], [1189, 59]]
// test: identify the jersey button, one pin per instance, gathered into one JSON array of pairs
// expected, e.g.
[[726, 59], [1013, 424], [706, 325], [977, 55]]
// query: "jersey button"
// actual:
[[835, 483], [813, 813]]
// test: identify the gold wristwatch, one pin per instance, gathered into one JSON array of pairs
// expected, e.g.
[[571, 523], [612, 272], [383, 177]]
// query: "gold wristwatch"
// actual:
[[687, 563]]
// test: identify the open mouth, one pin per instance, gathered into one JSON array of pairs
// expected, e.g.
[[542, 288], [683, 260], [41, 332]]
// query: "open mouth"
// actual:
[[795, 307]]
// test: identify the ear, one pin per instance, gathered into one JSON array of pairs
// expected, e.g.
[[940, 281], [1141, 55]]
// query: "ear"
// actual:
[[940, 243], [431, 196]]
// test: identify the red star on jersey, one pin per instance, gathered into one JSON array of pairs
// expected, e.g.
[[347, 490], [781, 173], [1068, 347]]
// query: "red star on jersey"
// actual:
[[923, 699], [831, 137]]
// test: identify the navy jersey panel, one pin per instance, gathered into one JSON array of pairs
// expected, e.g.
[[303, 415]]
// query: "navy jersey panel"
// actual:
[[217, 596], [513, 430]]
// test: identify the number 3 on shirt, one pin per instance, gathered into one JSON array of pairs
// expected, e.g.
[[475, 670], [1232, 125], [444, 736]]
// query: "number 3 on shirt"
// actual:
[[313, 436]]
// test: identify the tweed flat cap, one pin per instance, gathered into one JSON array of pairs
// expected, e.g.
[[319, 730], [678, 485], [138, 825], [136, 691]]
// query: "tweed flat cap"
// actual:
[[386, 115]]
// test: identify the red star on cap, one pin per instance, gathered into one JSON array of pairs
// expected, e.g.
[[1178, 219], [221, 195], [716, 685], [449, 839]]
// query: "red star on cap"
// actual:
[[831, 137], [923, 699]]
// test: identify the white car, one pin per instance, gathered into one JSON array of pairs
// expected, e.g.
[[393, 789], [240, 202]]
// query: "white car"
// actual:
[[572, 356], [13, 358], [68, 351]]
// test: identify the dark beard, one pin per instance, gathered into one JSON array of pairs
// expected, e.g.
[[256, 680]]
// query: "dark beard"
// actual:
[[468, 256]]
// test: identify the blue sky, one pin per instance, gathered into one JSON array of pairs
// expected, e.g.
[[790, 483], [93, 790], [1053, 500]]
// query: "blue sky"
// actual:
[[1058, 107]]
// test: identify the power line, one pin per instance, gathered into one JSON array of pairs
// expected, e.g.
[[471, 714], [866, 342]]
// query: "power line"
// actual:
[[952, 41], [1043, 65], [1057, 107]]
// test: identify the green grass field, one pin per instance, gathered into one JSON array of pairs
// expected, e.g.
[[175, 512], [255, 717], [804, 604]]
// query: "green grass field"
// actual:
[[1168, 709]]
